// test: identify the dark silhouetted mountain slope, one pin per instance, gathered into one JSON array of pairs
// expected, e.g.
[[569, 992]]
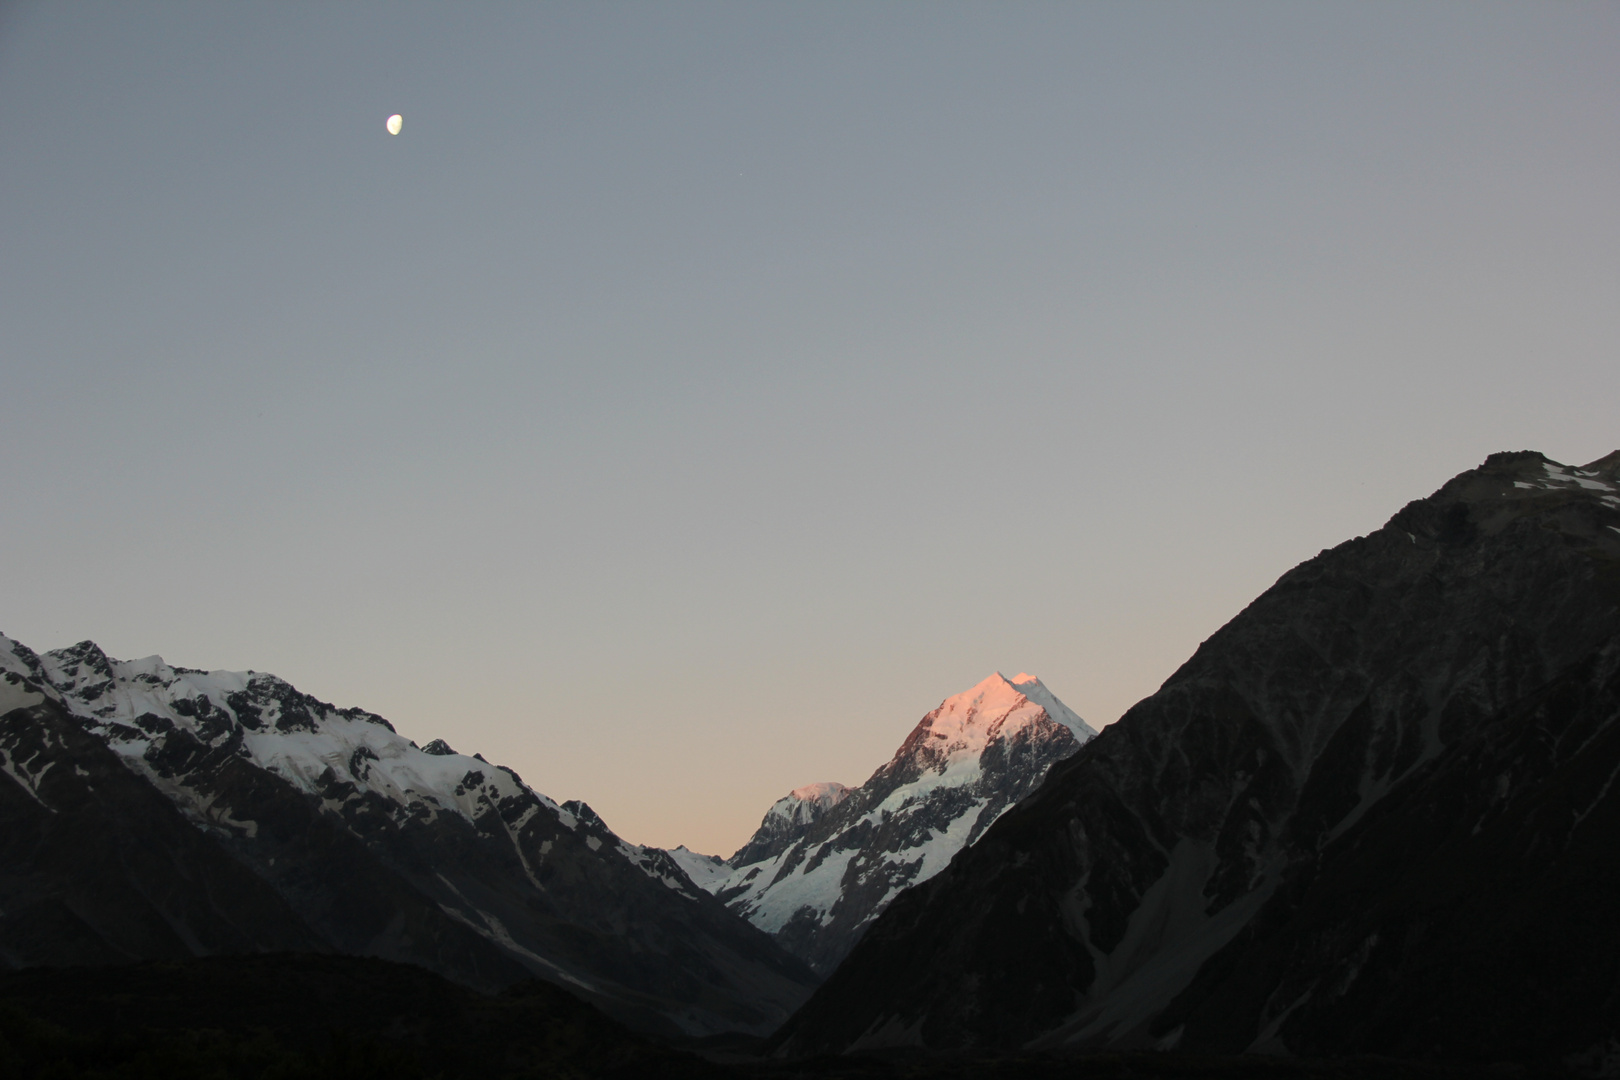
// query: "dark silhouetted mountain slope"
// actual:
[[1377, 812]]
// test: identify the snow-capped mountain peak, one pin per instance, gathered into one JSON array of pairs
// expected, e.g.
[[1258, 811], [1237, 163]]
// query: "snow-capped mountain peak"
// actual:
[[827, 858], [786, 821], [1036, 691], [359, 840], [140, 706], [804, 804], [951, 741], [967, 721]]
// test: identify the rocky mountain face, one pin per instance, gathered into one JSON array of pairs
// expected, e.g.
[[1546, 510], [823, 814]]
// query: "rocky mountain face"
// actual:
[[788, 819], [1377, 812], [149, 811], [827, 858]]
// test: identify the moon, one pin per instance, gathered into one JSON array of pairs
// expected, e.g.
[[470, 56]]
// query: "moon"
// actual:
[[395, 122]]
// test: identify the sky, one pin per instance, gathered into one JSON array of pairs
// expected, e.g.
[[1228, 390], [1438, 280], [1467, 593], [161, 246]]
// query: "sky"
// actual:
[[693, 395]]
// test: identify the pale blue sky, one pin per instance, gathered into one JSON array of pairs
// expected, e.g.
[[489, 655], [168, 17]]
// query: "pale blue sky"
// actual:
[[693, 395]]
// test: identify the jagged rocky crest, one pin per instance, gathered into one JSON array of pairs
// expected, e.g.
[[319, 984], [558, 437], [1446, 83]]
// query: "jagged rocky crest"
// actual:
[[788, 819], [151, 811], [1377, 812], [827, 859]]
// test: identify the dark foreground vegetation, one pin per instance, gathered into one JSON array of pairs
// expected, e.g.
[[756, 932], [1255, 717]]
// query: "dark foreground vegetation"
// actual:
[[290, 1017], [294, 1016]]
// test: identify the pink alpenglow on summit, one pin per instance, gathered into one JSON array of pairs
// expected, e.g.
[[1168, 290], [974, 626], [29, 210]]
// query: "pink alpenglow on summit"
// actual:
[[827, 859], [996, 708]]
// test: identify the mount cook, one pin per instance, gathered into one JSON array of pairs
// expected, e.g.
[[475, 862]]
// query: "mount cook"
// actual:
[[1376, 813], [151, 811], [827, 859]]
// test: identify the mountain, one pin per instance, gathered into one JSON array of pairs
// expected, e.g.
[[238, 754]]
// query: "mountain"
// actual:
[[1376, 813], [150, 811], [827, 859]]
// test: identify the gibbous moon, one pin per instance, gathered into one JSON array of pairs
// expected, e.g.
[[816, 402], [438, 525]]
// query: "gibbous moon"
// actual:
[[395, 122]]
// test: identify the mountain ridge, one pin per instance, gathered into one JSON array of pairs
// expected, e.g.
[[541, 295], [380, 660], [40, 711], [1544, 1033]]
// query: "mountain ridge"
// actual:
[[828, 858], [1208, 874], [353, 838]]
